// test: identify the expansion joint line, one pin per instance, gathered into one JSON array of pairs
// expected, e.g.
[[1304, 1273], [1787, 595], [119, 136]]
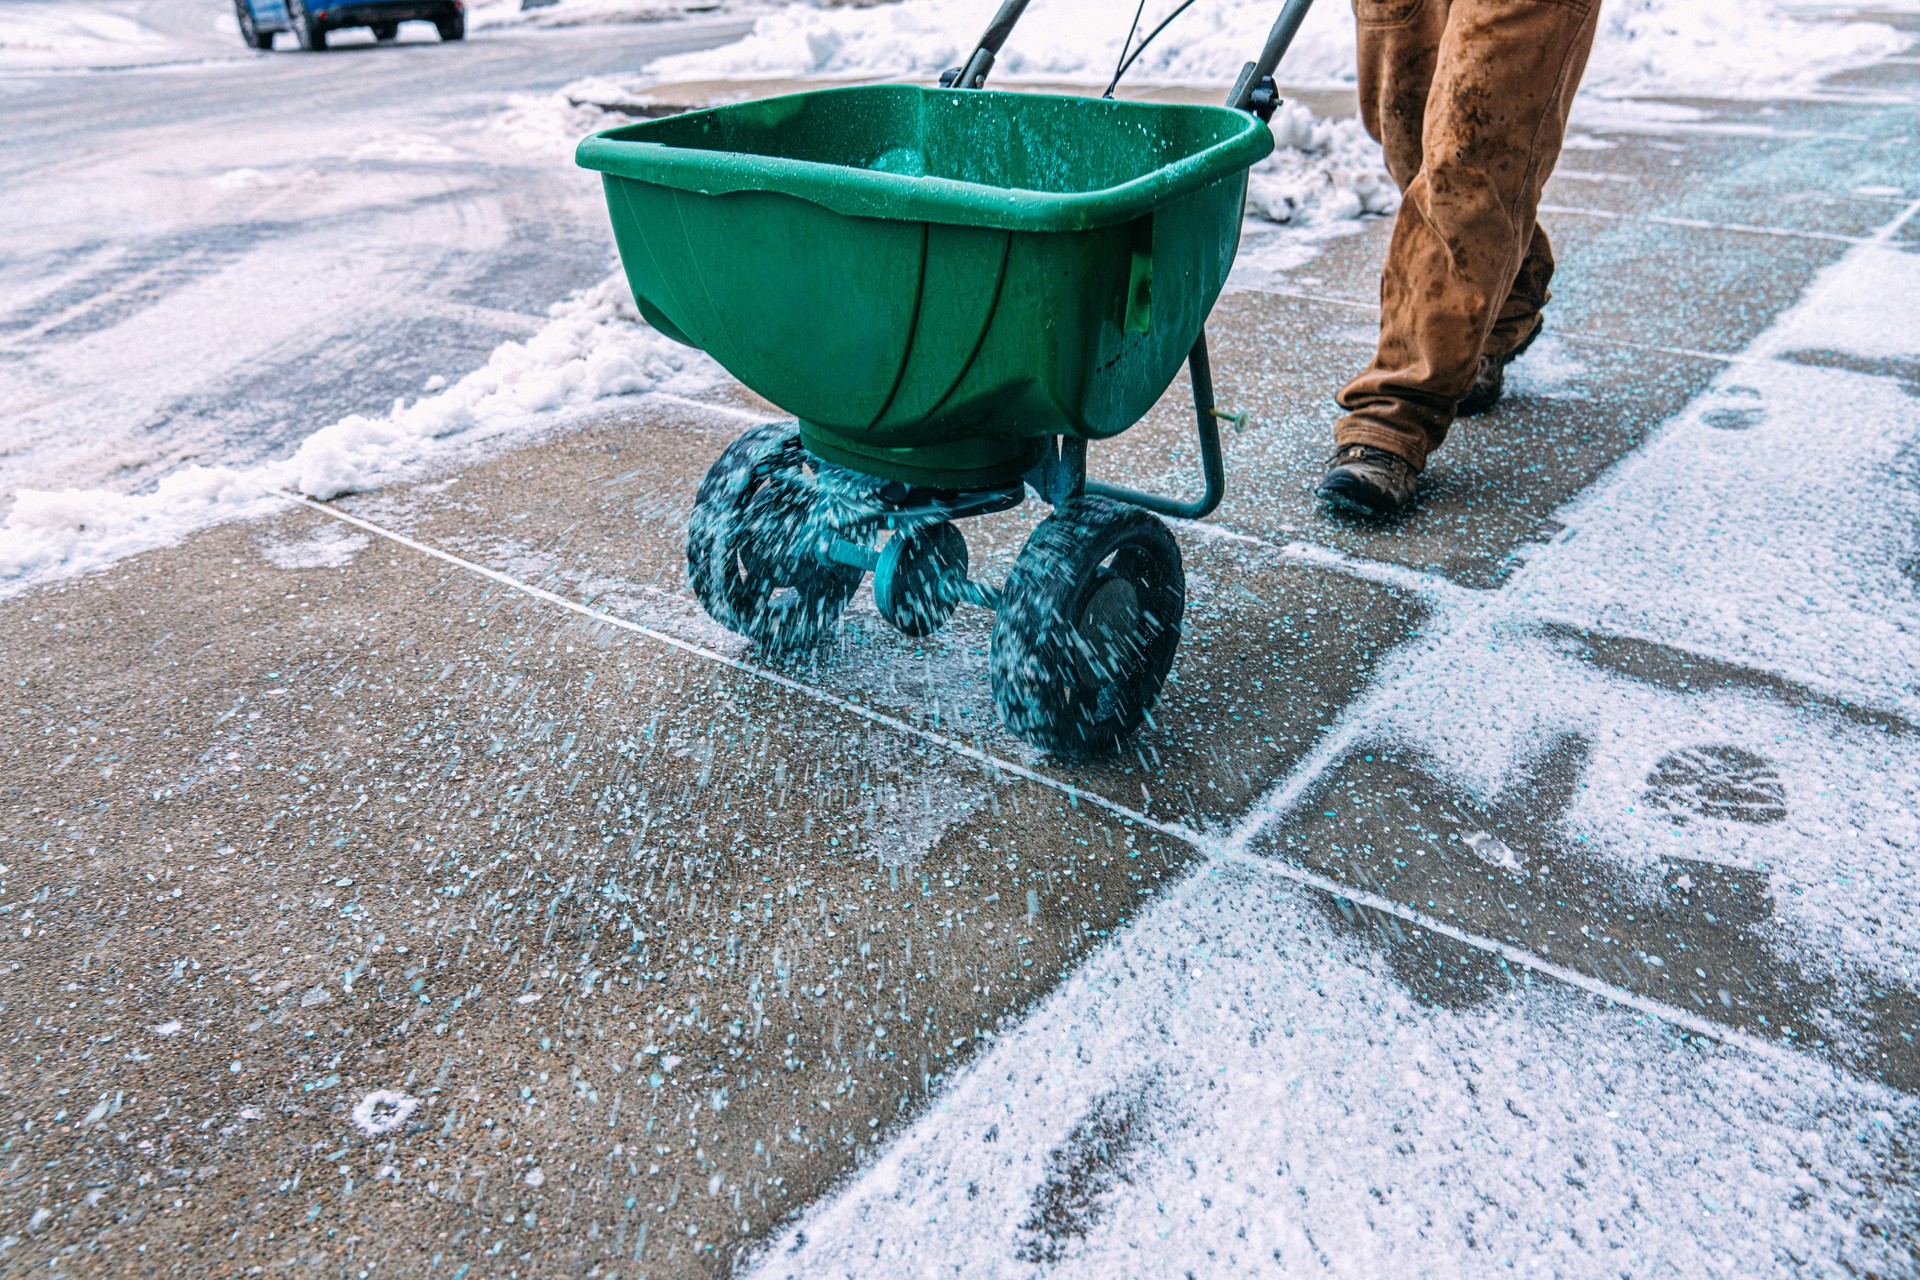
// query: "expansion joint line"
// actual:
[[1229, 851]]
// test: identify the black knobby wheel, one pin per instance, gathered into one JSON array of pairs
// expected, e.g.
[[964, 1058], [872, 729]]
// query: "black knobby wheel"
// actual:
[[453, 26], [311, 35], [749, 556], [249, 29], [1087, 626], [385, 31], [913, 583]]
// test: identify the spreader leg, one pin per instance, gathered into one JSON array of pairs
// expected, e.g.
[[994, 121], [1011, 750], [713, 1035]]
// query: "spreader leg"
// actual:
[[1213, 467]]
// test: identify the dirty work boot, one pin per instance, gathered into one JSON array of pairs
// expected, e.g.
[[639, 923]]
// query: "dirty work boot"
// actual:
[[1367, 480], [1491, 382]]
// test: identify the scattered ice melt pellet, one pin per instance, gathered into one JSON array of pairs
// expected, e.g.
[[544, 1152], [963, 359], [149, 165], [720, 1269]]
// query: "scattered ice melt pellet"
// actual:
[[171, 1027], [535, 1177], [315, 996], [383, 1111], [671, 1060], [526, 997]]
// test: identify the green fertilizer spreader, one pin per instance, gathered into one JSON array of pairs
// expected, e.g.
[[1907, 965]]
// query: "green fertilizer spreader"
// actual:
[[952, 291]]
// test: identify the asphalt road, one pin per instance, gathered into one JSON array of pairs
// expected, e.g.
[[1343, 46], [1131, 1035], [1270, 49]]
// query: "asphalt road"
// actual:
[[222, 253]]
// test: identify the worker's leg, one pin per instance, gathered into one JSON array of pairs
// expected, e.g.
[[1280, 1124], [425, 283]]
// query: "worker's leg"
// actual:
[[1495, 116], [1519, 315], [1399, 43]]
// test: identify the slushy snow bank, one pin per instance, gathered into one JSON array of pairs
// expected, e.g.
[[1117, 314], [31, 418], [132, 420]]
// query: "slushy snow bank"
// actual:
[[1072, 39], [1321, 171], [595, 347], [1718, 48], [555, 122]]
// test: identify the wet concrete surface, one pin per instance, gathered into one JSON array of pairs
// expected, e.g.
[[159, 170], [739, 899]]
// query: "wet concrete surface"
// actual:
[[1277, 650], [653, 950], [1490, 491], [613, 916]]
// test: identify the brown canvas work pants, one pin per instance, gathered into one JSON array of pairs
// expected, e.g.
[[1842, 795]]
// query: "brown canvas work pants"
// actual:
[[1469, 99]]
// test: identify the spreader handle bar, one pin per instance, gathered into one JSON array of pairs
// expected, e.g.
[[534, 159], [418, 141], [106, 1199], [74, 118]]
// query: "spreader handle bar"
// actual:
[[1247, 94], [974, 74]]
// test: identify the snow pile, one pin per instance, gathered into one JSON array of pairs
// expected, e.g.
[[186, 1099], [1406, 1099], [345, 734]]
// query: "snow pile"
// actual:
[[555, 122], [566, 13], [77, 530], [1721, 48], [1233, 1088], [1073, 39], [595, 347], [1320, 171], [33, 35], [1726, 48]]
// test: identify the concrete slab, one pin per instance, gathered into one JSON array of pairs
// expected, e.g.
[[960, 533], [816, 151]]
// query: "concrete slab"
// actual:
[[1690, 931], [1575, 409], [645, 952], [1273, 650]]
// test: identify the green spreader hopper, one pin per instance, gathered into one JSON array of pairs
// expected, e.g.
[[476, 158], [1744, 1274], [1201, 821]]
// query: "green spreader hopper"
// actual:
[[951, 291]]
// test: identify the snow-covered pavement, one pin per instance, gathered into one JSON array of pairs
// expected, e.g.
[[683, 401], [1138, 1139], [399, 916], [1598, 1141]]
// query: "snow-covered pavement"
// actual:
[[1228, 1089], [410, 880]]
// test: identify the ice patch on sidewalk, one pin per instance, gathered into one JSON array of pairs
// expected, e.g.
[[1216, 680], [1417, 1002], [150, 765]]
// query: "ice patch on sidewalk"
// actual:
[[1718, 48], [328, 546], [1233, 1088], [593, 348]]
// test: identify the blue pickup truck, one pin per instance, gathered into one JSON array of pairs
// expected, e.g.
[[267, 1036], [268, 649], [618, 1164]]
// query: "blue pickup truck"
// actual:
[[311, 20]]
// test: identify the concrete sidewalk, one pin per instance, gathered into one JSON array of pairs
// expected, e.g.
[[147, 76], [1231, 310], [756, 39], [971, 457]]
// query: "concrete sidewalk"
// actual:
[[422, 885]]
